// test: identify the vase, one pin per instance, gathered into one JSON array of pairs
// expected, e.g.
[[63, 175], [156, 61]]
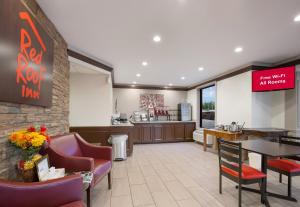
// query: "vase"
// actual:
[[29, 175]]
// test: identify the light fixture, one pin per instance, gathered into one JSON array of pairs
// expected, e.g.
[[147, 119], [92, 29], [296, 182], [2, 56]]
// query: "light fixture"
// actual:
[[182, 78], [156, 38], [138, 75], [170, 84], [200, 68], [134, 82], [144, 63], [297, 18], [238, 49]]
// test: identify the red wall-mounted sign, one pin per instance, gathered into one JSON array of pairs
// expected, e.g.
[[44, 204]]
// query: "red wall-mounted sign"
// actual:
[[273, 79], [26, 57]]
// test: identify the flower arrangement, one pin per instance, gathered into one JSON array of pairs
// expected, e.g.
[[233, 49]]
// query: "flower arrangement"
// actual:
[[30, 141]]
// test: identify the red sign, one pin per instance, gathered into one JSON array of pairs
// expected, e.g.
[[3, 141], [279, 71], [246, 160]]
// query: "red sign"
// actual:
[[273, 79], [26, 62]]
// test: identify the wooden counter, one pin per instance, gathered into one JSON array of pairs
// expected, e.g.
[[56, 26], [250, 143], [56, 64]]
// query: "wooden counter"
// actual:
[[100, 134], [139, 133], [166, 131]]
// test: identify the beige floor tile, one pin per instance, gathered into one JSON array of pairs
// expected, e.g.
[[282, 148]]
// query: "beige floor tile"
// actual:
[[120, 187], [120, 172], [136, 178], [164, 199], [177, 190], [141, 195], [155, 184], [189, 203], [178, 175], [121, 201]]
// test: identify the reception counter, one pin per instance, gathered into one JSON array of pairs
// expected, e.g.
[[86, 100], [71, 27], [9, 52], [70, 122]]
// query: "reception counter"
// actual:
[[139, 132]]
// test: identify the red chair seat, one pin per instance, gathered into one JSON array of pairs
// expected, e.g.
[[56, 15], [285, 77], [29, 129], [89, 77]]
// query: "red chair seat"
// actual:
[[284, 165], [102, 167], [248, 173]]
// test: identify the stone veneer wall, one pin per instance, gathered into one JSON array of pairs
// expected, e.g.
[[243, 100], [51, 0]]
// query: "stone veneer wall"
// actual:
[[56, 118]]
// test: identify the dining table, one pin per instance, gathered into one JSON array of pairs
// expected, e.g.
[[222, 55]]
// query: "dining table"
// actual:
[[269, 149]]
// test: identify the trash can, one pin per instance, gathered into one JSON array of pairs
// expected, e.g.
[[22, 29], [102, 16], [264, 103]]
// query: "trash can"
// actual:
[[119, 146]]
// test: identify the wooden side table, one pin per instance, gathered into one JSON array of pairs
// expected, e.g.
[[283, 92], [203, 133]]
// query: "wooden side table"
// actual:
[[229, 136]]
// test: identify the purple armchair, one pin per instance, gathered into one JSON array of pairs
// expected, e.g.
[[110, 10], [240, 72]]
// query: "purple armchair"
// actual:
[[63, 192], [73, 153]]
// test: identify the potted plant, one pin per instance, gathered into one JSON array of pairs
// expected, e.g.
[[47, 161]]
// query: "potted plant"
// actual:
[[30, 142]]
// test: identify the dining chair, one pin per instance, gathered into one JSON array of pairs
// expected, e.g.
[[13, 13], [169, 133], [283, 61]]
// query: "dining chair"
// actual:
[[232, 167], [287, 167]]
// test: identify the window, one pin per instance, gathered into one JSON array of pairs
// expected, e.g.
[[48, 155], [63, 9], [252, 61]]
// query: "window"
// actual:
[[207, 107]]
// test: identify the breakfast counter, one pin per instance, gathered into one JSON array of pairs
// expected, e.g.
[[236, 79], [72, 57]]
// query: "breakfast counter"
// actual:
[[163, 131], [139, 132]]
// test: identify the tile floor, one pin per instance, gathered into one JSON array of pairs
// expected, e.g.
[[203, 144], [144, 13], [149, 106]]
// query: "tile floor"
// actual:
[[177, 175]]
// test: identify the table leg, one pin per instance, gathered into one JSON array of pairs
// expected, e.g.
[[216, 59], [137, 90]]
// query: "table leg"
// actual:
[[88, 197], [204, 140]]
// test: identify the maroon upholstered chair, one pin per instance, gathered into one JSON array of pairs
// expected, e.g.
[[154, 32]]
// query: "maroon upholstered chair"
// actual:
[[73, 153], [62, 192]]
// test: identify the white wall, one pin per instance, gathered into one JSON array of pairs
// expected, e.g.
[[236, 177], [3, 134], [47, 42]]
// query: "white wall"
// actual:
[[193, 99], [128, 99], [90, 100], [234, 100]]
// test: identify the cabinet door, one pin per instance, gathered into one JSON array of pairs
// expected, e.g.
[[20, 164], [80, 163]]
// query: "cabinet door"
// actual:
[[157, 133], [169, 133], [179, 131], [189, 129], [146, 134], [136, 132]]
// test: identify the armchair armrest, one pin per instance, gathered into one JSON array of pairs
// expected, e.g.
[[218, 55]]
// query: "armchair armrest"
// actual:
[[97, 152], [47, 194], [70, 163]]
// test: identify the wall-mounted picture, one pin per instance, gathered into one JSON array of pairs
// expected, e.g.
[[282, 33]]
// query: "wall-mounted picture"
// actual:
[[151, 101]]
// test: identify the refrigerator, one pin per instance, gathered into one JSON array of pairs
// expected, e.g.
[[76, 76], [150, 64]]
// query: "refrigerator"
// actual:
[[184, 112]]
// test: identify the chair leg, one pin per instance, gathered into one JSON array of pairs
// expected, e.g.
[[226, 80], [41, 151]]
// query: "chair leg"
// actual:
[[240, 195], [262, 191], [109, 180], [280, 178], [290, 186], [220, 183]]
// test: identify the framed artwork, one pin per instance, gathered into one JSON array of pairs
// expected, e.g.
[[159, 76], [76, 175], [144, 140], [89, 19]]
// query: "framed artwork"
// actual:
[[26, 57], [148, 101], [42, 167]]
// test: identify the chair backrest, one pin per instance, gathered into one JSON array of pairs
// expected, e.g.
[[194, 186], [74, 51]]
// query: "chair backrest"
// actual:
[[66, 144], [52, 193], [290, 140], [230, 156]]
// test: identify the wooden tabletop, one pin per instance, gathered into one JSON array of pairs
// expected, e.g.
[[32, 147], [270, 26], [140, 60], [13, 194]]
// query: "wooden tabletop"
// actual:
[[222, 131], [270, 148]]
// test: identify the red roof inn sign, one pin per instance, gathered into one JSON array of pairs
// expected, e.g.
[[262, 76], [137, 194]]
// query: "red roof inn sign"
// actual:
[[26, 57]]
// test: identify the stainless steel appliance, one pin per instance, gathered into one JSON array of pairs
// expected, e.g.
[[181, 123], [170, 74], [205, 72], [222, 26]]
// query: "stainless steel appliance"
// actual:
[[185, 112]]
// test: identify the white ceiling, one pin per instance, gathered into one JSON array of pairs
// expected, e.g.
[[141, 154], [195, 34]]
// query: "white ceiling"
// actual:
[[194, 33]]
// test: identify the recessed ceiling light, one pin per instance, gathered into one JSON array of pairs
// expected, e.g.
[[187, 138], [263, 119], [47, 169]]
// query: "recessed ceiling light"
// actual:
[[144, 63], [297, 18], [200, 68], [170, 84], [182, 78], [156, 38], [138, 75], [134, 82], [238, 49]]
